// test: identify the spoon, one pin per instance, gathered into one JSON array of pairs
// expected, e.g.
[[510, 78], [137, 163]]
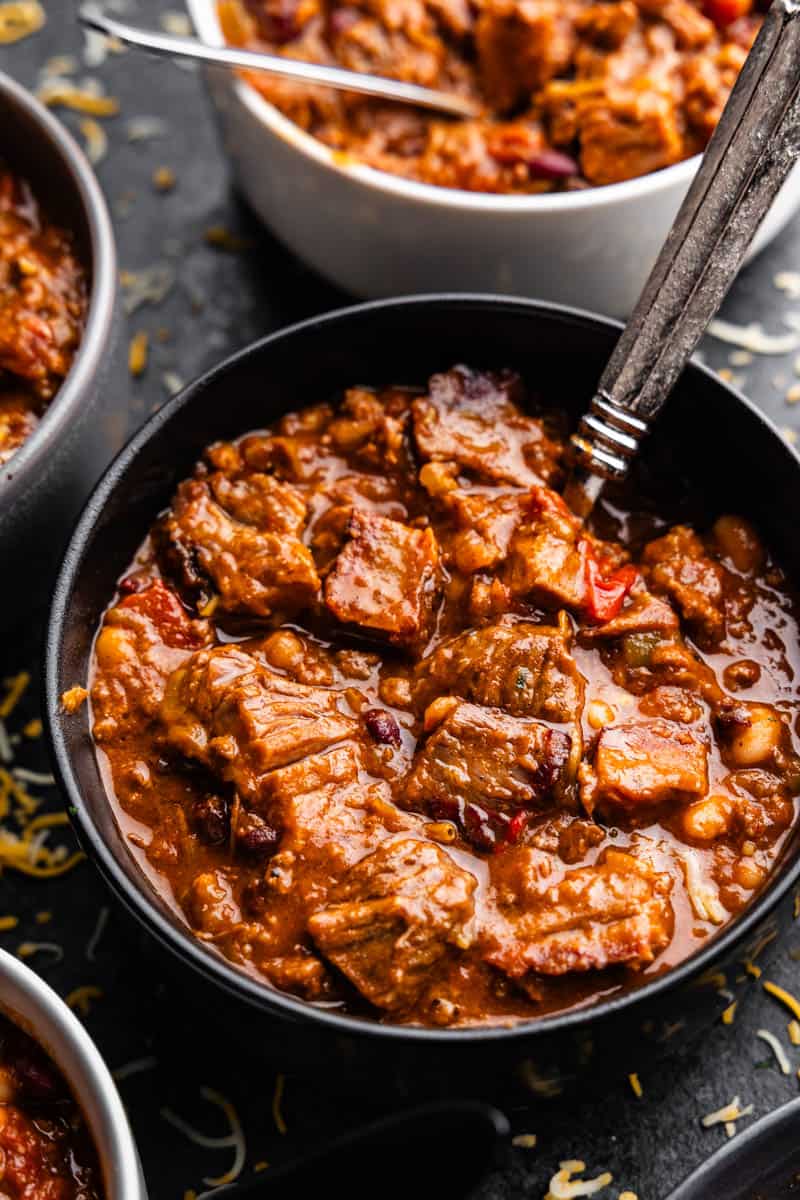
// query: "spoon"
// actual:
[[754, 147], [92, 17]]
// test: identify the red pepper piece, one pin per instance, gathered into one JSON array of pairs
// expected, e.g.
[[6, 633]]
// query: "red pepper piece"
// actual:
[[725, 12], [605, 594]]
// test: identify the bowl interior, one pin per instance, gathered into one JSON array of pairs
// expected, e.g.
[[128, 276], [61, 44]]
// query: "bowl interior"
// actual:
[[30, 1003], [709, 441], [28, 149]]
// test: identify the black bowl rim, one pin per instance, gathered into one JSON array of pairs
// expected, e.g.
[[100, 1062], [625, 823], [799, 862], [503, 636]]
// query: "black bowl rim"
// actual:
[[21, 470], [183, 944], [696, 1186]]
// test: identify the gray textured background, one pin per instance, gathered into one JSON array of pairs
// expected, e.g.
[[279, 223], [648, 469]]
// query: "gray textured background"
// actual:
[[220, 301]]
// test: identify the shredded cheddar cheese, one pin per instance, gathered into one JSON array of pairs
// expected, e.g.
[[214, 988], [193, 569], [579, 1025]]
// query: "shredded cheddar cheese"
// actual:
[[28, 949], [96, 140], [524, 1141], [73, 698], [16, 687], [563, 1187], [793, 1029], [137, 353], [277, 1099], [81, 998], [234, 1139], [636, 1087], [729, 1013], [752, 969], [729, 1114], [777, 1049], [19, 19], [791, 1002]]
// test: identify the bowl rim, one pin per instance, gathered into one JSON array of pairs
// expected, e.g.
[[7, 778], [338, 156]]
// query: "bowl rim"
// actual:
[[697, 1185], [204, 16], [32, 456], [181, 942], [119, 1155]]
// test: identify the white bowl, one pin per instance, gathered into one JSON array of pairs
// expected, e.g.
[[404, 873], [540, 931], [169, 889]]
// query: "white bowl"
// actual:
[[29, 1002], [376, 234]]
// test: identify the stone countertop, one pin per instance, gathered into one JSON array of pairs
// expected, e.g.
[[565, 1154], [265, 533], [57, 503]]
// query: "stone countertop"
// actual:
[[217, 300]]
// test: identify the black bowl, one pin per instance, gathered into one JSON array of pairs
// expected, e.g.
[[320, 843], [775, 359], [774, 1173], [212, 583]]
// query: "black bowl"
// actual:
[[709, 436], [44, 484], [761, 1163]]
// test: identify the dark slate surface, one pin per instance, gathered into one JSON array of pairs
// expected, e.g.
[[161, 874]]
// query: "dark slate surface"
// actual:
[[220, 301]]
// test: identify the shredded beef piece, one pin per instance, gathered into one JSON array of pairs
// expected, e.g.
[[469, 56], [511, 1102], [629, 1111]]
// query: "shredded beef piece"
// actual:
[[646, 763], [616, 912], [393, 917], [473, 418], [386, 579]]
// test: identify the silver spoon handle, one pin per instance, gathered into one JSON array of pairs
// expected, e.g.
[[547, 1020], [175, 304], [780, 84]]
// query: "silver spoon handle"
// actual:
[[288, 68], [750, 155]]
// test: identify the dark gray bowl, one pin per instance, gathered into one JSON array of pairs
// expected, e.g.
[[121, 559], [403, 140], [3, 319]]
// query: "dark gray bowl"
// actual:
[[44, 484], [761, 1163], [560, 352]]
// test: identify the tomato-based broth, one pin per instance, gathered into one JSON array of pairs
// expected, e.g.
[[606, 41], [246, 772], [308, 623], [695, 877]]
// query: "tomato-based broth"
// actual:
[[43, 302], [395, 733], [46, 1151]]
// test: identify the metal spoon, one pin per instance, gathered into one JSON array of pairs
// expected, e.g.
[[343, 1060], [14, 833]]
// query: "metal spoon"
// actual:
[[92, 17], [756, 144]]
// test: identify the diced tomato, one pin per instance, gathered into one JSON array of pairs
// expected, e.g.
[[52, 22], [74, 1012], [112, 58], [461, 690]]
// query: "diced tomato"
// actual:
[[516, 826], [605, 595], [725, 12], [163, 606]]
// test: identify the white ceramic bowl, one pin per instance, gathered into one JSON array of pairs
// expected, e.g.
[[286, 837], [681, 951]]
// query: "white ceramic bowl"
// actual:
[[28, 1001], [375, 234]]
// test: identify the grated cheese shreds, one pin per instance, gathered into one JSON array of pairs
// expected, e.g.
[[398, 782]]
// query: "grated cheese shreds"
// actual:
[[81, 998], [176, 23], [729, 1013], [28, 949], [16, 687], [234, 1139], [148, 286], [788, 282], [7, 923], [87, 98], [563, 1187], [96, 140], [777, 1050], [627, 1196], [137, 353], [277, 1100], [729, 1113], [524, 1141], [142, 129], [793, 1029], [752, 969], [636, 1087], [704, 899], [6, 752], [94, 940], [37, 778], [791, 1002], [135, 1067], [19, 19], [753, 338]]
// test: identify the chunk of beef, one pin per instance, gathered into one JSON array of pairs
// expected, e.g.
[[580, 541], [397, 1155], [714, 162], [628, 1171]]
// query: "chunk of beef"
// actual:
[[645, 763], [482, 769], [479, 527], [473, 418], [615, 912], [386, 579], [546, 560], [522, 45], [523, 668], [692, 29], [393, 917], [628, 131], [676, 565], [708, 79], [225, 710], [258, 567]]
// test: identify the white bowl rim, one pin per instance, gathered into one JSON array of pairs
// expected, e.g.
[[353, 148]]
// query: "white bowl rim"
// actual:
[[116, 1149], [204, 15]]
